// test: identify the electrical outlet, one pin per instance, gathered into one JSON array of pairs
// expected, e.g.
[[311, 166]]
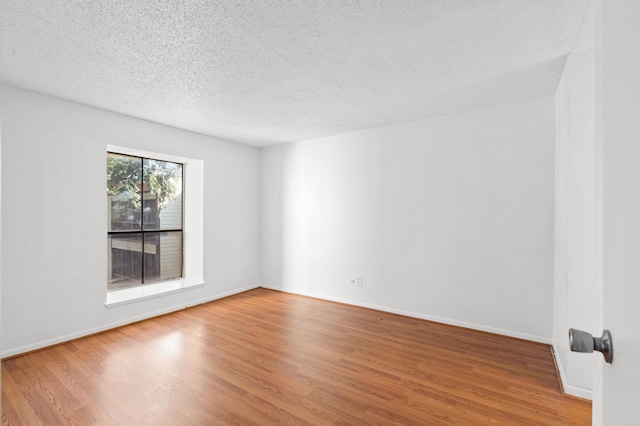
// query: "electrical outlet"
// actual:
[[359, 280], [244, 270]]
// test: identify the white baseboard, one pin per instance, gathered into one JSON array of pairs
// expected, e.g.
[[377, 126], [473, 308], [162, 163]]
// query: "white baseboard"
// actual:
[[566, 388], [473, 326], [83, 333]]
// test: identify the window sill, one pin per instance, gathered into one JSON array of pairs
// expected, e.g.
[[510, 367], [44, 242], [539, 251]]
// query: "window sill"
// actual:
[[149, 291]]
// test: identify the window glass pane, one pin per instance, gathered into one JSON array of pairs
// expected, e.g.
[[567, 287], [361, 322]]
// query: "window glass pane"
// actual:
[[162, 195], [124, 176], [124, 257], [163, 255]]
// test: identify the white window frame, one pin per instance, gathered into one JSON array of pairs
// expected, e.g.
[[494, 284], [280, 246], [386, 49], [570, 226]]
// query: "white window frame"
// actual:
[[193, 205]]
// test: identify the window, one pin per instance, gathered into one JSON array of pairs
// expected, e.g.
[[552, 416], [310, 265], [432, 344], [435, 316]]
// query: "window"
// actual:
[[145, 220]]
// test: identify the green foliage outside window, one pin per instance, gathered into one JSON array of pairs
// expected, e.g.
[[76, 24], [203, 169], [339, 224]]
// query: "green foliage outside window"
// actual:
[[126, 175]]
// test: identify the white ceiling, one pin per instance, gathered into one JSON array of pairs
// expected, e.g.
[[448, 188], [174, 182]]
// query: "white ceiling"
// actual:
[[263, 72]]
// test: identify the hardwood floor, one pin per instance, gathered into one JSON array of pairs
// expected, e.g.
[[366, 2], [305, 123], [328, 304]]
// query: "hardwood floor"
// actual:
[[265, 357]]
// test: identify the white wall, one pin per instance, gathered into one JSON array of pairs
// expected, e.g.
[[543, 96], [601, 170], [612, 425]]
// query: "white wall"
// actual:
[[53, 195], [448, 218], [1, 95], [575, 292]]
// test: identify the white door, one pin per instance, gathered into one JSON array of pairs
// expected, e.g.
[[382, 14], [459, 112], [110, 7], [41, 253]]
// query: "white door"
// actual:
[[617, 385]]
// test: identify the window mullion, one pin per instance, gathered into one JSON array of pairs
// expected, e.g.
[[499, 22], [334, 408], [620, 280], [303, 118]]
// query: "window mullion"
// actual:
[[142, 214]]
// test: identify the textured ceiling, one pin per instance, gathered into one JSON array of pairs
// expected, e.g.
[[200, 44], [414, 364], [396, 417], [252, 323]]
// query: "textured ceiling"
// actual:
[[263, 72]]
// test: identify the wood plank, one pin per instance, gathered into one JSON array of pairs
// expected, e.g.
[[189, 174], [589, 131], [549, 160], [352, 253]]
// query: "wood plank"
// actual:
[[270, 357]]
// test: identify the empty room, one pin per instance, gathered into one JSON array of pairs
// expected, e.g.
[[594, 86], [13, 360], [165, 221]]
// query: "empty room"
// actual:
[[320, 212]]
